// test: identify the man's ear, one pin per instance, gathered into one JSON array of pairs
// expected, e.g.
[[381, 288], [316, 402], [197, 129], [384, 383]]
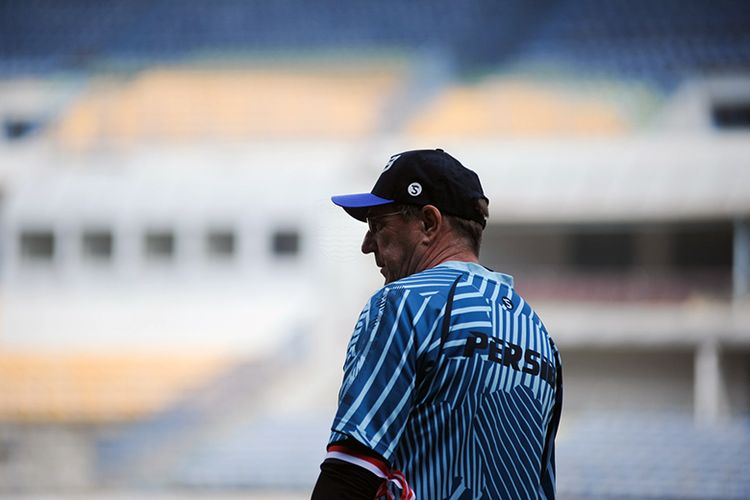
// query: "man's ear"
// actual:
[[432, 220]]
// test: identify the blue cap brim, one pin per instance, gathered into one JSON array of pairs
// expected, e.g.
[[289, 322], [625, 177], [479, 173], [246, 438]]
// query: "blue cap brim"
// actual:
[[358, 204]]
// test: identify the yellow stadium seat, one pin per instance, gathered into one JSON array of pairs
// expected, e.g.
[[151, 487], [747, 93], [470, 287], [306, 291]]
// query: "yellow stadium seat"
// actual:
[[498, 107], [94, 388], [178, 105]]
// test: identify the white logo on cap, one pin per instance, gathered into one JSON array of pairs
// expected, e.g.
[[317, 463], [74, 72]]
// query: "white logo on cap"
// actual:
[[414, 189], [391, 161]]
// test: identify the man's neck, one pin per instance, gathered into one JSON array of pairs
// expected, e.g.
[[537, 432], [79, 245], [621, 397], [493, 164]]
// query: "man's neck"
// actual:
[[444, 253]]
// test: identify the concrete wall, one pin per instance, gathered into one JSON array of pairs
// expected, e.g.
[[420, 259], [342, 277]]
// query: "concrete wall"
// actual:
[[46, 458], [627, 379], [736, 367]]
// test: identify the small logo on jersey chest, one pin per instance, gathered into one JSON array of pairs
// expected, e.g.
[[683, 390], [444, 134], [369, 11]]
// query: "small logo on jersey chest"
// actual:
[[507, 304]]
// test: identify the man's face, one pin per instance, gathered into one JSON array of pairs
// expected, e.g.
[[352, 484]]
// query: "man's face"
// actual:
[[394, 239]]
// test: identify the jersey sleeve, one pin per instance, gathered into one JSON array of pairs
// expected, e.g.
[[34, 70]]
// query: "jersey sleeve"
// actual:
[[548, 472], [377, 392]]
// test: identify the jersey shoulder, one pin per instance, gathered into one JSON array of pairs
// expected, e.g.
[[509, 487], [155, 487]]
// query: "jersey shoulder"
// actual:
[[516, 304]]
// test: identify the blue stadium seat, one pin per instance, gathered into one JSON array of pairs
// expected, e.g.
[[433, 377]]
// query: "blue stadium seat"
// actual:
[[659, 41], [653, 456]]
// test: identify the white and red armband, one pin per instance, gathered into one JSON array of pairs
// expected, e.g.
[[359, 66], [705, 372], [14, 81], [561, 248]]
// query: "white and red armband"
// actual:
[[395, 485]]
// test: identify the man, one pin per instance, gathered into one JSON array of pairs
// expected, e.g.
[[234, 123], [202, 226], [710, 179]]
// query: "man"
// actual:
[[452, 386]]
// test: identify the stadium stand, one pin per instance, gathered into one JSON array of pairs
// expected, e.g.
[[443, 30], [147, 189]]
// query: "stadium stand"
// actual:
[[187, 105], [499, 107], [600, 455], [659, 41], [132, 444], [45, 36], [186, 442], [275, 451], [622, 455], [96, 388], [153, 74]]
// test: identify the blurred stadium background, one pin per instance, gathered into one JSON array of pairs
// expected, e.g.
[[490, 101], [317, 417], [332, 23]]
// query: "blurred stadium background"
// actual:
[[177, 291]]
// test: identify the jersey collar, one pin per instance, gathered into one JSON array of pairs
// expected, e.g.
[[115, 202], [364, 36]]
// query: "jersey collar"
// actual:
[[473, 268]]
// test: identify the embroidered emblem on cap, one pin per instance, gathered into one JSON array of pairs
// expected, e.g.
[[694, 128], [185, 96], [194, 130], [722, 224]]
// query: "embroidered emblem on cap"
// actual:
[[391, 162], [414, 189]]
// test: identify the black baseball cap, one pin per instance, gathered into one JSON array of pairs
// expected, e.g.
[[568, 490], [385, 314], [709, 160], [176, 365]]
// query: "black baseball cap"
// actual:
[[421, 177]]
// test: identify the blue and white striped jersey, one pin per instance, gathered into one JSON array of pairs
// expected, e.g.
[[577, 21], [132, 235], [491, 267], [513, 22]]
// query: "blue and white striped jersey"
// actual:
[[466, 409]]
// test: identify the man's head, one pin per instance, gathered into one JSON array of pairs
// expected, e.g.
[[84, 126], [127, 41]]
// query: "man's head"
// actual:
[[425, 208]]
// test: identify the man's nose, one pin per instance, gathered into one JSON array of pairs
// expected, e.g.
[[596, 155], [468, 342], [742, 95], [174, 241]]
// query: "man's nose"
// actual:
[[368, 244]]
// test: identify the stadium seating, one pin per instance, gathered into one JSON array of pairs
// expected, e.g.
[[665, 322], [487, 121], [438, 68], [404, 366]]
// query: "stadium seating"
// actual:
[[496, 107], [96, 388], [652, 456], [184, 105], [147, 452], [599, 456], [281, 451], [658, 41], [155, 72]]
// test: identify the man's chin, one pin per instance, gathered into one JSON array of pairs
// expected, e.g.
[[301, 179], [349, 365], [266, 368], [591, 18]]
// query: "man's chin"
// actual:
[[386, 277]]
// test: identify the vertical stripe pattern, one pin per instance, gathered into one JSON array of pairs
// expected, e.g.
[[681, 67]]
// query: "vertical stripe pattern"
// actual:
[[466, 409]]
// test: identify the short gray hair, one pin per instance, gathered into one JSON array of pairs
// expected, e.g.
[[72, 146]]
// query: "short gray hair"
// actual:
[[468, 230]]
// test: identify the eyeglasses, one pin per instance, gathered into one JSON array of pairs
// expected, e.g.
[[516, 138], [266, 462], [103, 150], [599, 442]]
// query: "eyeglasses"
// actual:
[[372, 221]]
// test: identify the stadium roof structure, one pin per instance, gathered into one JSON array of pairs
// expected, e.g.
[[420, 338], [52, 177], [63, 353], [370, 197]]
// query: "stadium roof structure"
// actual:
[[631, 179], [650, 178]]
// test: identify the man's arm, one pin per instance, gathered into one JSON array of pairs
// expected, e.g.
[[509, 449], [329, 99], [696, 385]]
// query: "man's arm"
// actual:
[[374, 400], [341, 479], [548, 470]]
